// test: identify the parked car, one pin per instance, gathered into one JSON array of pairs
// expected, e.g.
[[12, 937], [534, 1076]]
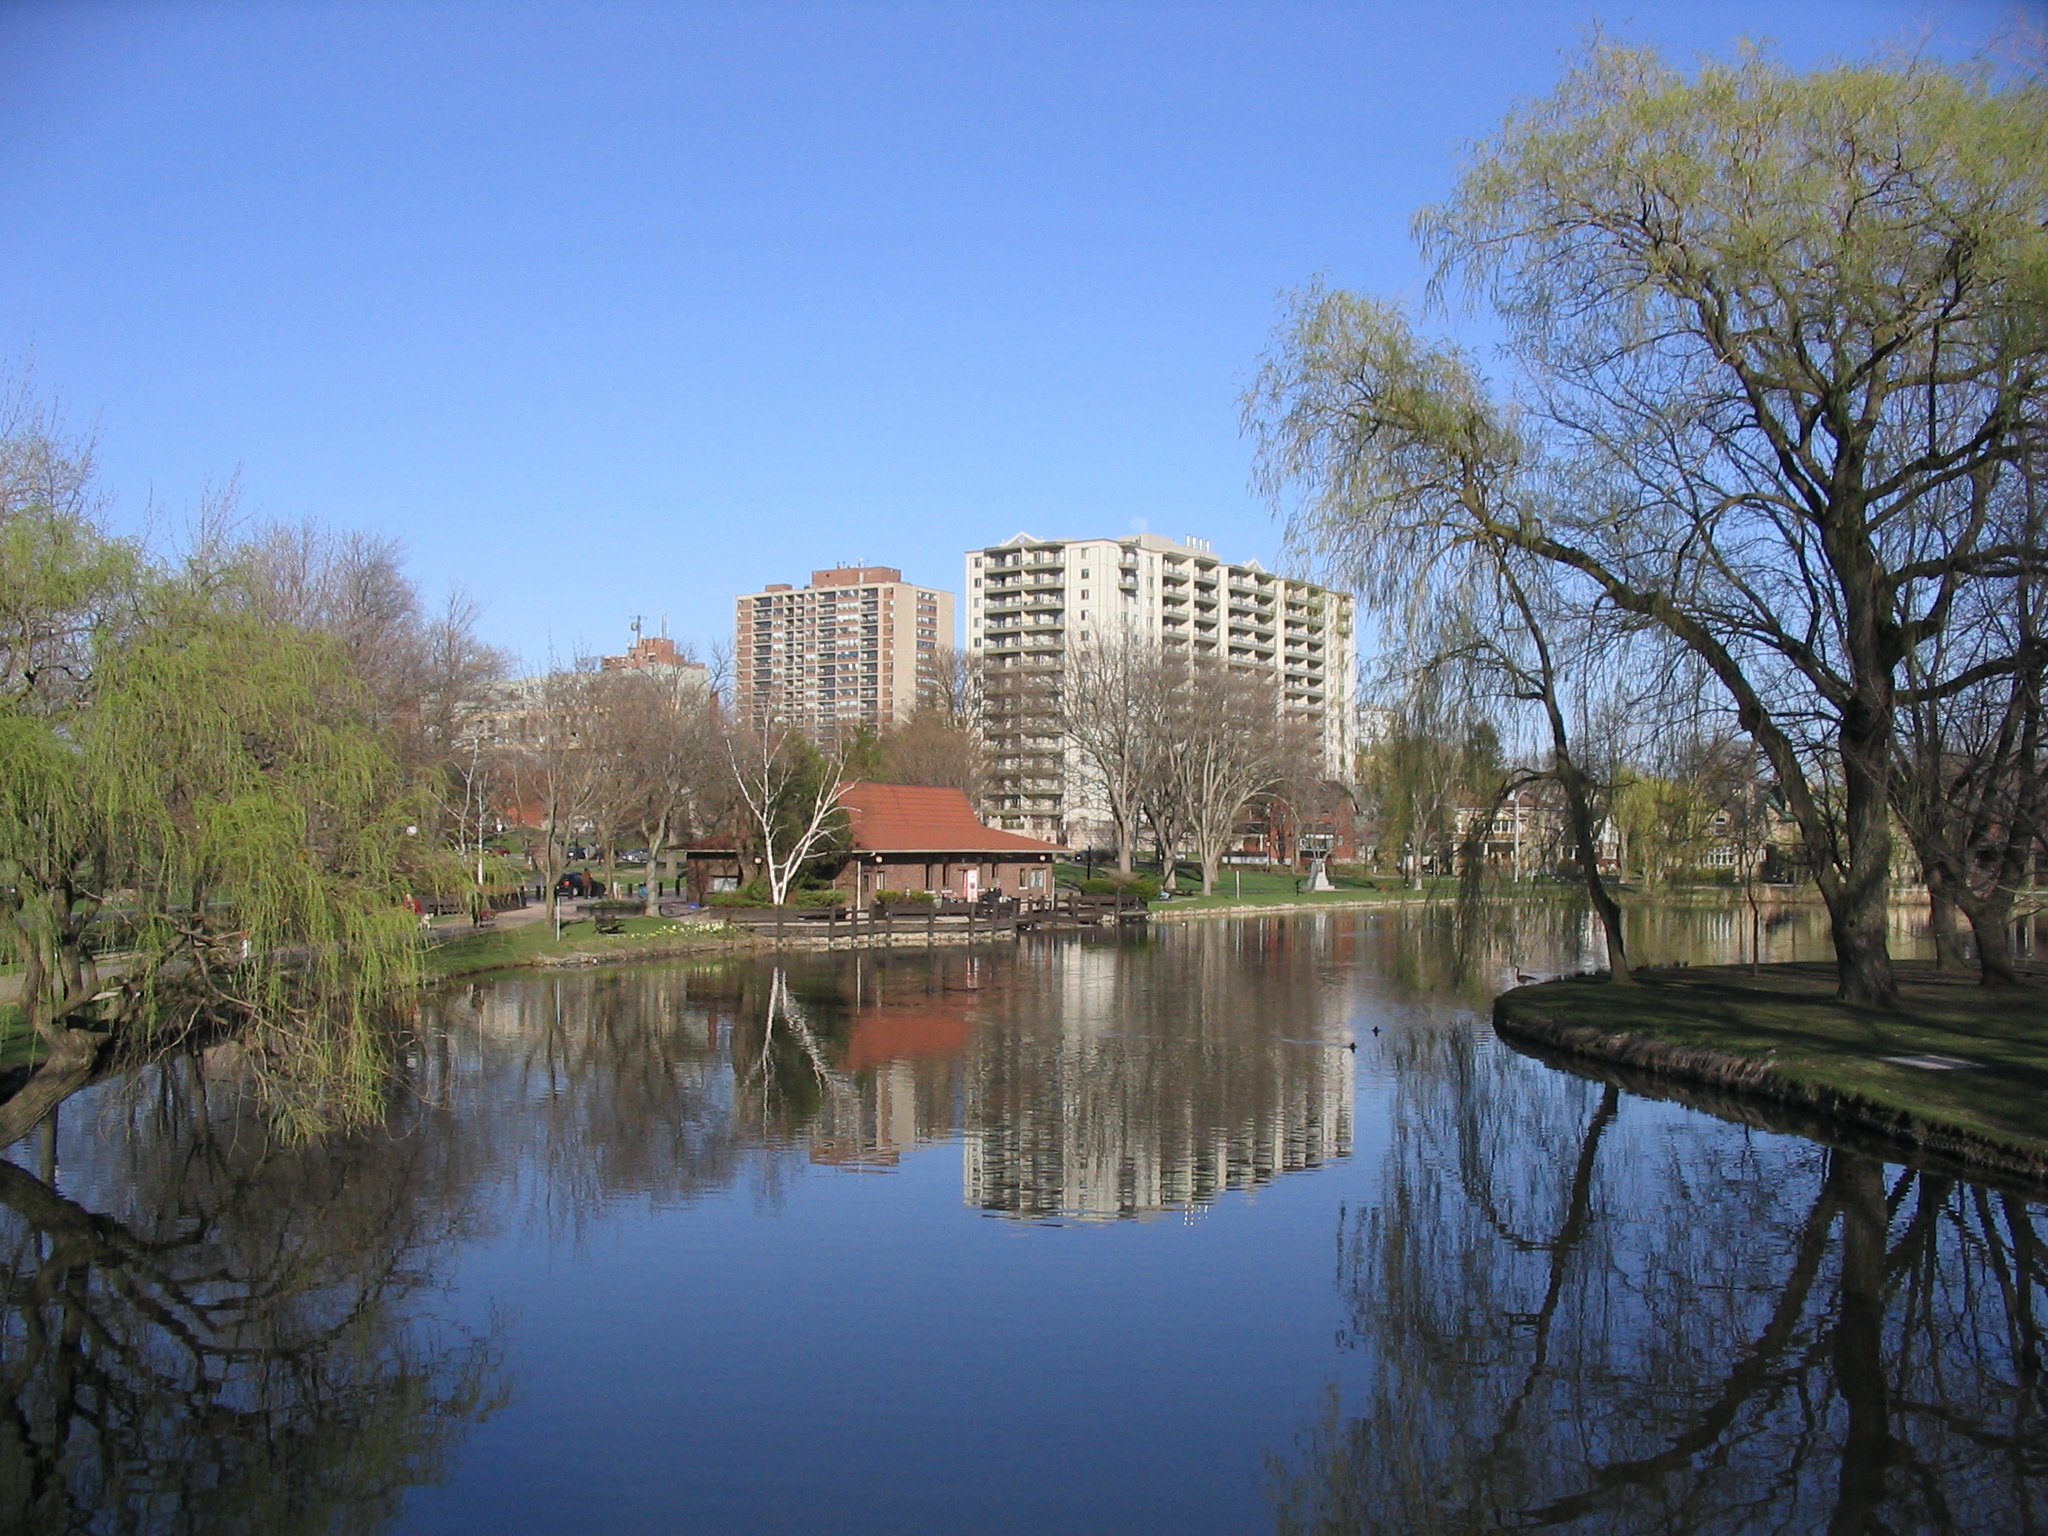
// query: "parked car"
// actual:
[[578, 883]]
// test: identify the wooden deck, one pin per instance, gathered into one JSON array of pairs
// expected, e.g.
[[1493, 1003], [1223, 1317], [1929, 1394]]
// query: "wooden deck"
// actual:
[[938, 923]]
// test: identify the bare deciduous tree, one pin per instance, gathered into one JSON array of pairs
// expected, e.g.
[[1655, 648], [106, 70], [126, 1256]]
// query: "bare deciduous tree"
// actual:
[[1971, 784], [790, 791], [1116, 695], [674, 736], [550, 770], [1224, 741]]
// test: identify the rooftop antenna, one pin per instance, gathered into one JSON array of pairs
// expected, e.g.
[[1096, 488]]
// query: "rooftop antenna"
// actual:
[[664, 624], [636, 629]]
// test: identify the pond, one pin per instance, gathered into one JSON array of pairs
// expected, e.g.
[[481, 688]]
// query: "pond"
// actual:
[[1240, 1226]]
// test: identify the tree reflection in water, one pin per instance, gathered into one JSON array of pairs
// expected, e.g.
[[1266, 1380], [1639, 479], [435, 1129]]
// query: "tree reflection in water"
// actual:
[[236, 1337], [1582, 1315]]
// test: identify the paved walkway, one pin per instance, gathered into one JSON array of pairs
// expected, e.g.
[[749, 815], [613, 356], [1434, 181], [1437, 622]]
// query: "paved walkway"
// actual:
[[518, 917]]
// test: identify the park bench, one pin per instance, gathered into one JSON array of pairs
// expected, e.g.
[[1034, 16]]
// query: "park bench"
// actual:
[[610, 916]]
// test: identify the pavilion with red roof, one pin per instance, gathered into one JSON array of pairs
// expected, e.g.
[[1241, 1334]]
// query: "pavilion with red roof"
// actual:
[[917, 837]]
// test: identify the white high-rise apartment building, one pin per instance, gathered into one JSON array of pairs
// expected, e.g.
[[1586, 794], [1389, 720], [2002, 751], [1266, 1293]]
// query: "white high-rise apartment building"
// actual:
[[858, 646], [1029, 598]]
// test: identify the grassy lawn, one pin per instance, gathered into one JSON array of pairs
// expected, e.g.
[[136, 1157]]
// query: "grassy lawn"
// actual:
[[1788, 1017], [18, 1044], [1265, 888], [1258, 887], [494, 949], [1281, 892]]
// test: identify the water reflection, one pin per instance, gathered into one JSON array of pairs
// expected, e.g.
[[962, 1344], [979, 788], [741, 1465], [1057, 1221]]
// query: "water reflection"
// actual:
[[1089, 1080], [1559, 1301], [1589, 1313], [1117, 1082], [206, 1333]]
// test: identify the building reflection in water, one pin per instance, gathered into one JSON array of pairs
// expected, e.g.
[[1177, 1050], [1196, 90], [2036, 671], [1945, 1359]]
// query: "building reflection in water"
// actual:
[[1584, 1311], [1091, 1080], [1563, 1303], [1113, 1081]]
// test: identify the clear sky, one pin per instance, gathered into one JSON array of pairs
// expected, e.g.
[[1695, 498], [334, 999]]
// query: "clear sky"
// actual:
[[611, 309]]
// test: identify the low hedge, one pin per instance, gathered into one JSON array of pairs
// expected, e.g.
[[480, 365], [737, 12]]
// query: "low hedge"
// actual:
[[1143, 887], [756, 895]]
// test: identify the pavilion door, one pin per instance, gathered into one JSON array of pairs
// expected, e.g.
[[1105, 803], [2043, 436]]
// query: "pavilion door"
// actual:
[[970, 883]]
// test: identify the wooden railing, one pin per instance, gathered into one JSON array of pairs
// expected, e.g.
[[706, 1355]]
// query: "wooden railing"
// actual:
[[935, 920]]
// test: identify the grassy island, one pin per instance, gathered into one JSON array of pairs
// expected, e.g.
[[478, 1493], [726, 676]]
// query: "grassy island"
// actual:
[[1958, 1067]]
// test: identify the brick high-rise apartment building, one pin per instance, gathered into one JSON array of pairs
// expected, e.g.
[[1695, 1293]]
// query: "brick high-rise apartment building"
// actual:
[[854, 647], [1027, 599]]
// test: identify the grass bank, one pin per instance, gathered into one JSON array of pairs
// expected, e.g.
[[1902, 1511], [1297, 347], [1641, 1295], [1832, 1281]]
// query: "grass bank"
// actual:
[[472, 953], [535, 944], [1958, 1068], [1186, 907]]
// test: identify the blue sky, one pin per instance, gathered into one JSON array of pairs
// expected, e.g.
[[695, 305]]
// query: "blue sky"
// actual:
[[609, 309]]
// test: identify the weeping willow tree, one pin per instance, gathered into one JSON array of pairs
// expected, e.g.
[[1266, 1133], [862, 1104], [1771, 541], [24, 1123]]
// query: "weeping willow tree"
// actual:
[[1779, 339], [201, 834]]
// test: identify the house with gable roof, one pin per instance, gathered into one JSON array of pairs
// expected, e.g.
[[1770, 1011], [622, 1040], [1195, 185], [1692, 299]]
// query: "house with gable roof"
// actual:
[[918, 837]]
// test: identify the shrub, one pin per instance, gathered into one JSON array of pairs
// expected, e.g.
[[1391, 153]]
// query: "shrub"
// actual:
[[753, 894], [904, 898], [1144, 887]]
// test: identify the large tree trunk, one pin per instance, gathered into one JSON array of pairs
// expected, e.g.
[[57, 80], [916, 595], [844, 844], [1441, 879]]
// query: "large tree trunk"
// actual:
[[656, 846], [1579, 808], [1857, 904], [1990, 918], [1941, 920], [1990, 914], [68, 1068]]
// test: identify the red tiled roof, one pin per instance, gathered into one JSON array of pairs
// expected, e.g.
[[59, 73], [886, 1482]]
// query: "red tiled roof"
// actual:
[[918, 818]]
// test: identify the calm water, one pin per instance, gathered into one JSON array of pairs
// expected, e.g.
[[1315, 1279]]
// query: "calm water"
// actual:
[[1070, 1237]]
